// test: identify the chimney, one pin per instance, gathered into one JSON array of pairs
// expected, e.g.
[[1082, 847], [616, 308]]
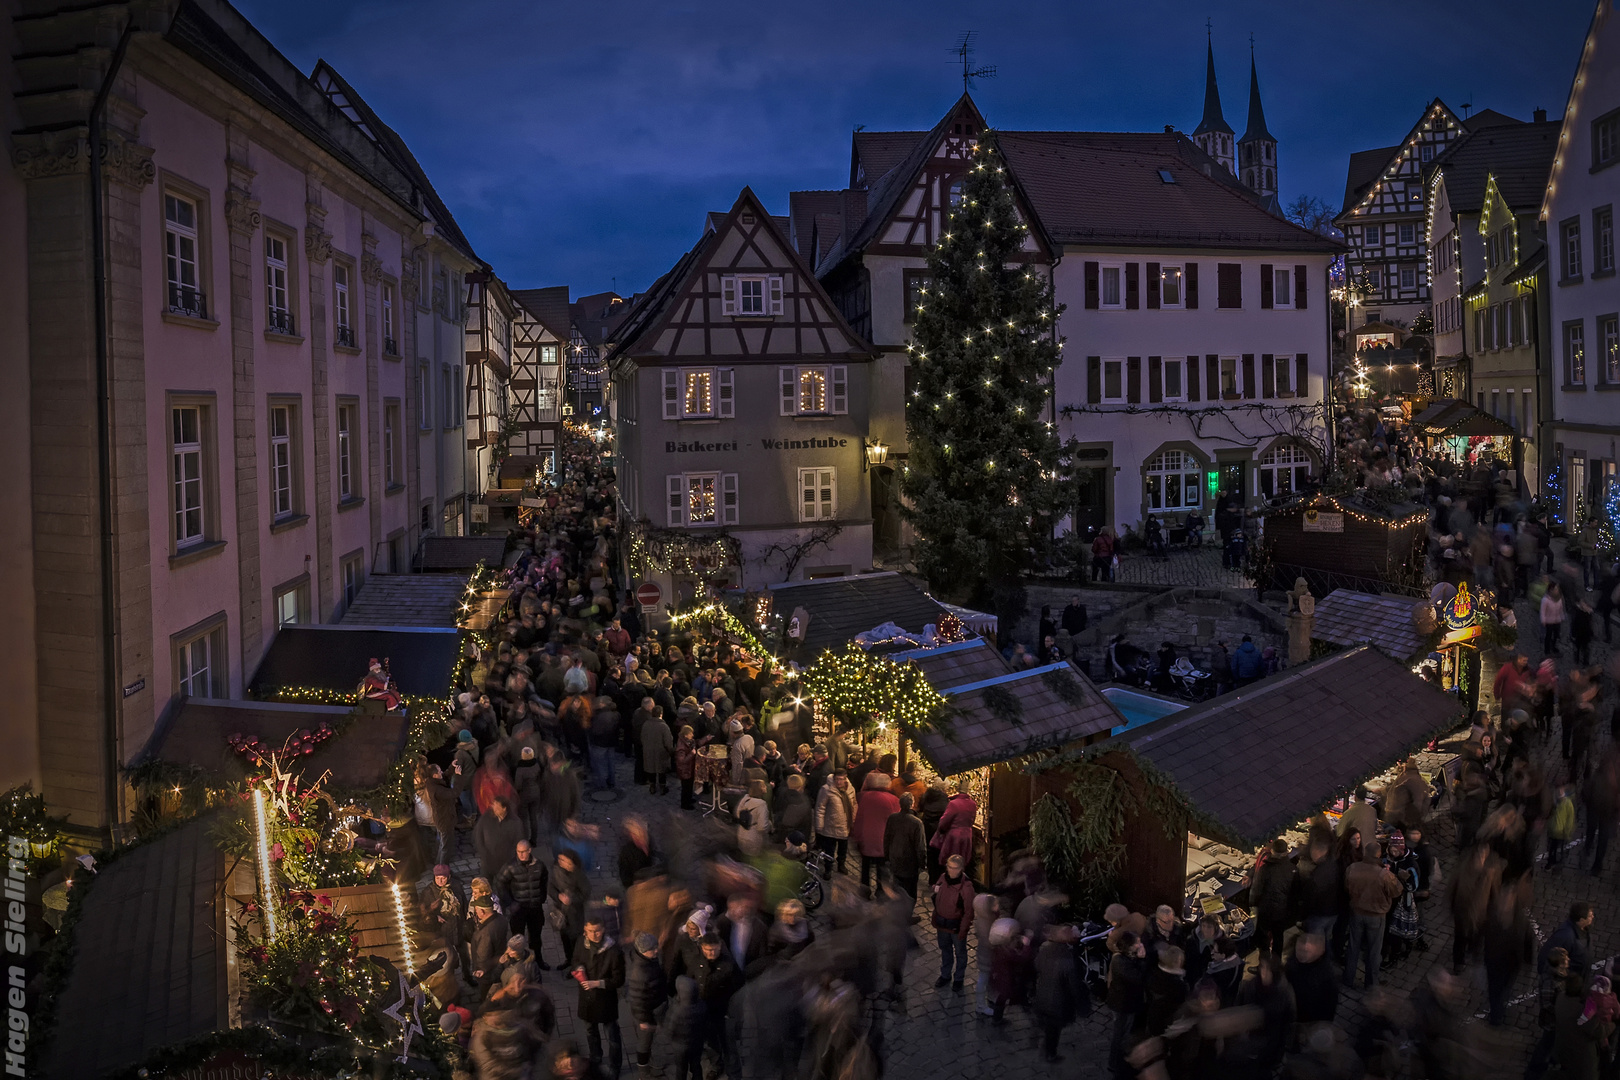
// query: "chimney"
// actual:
[[1540, 116], [1169, 129]]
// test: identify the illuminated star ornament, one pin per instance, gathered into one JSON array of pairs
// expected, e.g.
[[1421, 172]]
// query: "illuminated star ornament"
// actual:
[[280, 783], [408, 1025]]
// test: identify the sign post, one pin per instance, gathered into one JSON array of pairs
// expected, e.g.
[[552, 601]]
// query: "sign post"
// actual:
[[648, 594]]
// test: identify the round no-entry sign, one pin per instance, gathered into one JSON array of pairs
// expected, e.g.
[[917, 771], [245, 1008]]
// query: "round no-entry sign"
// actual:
[[649, 594]]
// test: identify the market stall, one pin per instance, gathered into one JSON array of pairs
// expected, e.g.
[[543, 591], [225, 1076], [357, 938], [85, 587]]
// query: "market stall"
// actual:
[[1460, 432]]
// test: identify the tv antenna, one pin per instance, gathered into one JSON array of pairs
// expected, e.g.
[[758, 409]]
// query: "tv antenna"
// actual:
[[964, 53]]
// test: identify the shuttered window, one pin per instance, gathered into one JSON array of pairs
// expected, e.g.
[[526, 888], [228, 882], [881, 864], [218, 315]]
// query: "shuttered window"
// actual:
[[751, 296], [814, 390], [818, 494], [700, 498], [1229, 285]]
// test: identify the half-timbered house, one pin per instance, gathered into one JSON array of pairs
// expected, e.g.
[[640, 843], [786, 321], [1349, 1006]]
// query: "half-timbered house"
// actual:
[[539, 338], [741, 403]]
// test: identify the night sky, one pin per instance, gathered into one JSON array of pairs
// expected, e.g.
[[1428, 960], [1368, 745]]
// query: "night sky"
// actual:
[[581, 143]]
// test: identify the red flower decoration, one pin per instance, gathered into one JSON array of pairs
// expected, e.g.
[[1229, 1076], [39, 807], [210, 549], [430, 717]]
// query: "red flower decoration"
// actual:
[[277, 852], [323, 900]]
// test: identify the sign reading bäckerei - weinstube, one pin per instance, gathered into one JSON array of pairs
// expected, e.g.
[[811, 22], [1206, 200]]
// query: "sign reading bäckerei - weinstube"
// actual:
[[766, 444]]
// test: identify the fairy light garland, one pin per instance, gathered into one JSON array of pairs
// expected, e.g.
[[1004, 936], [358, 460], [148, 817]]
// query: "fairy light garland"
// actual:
[[404, 928], [716, 615], [267, 881], [861, 689]]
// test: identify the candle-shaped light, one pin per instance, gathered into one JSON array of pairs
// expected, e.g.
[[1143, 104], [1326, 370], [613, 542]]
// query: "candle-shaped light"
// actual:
[[266, 883]]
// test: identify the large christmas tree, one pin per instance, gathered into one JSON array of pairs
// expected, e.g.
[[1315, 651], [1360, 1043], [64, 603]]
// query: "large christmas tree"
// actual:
[[984, 473]]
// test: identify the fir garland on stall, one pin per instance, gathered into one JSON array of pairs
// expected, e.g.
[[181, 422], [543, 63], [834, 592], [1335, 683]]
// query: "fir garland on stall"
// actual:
[[1004, 705], [864, 692]]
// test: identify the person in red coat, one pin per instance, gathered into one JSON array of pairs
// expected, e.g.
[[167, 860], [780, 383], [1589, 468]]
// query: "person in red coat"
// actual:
[[877, 804], [954, 835]]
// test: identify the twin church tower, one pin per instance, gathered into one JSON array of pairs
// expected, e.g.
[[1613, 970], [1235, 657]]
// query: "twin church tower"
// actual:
[[1254, 159]]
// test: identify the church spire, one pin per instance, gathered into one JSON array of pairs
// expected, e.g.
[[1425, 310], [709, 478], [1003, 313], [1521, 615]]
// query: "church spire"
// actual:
[[1257, 115], [1213, 121], [1257, 150]]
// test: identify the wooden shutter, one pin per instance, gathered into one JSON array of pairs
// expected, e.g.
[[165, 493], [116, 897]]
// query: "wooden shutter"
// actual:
[[1133, 379], [1153, 284], [826, 494], [1133, 286], [672, 394], [1192, 378], [790, 390], [1093, 380], [728, 498], [1212, 368], [1302, 375], [1268, 376], [1189, 285], [1229, 285], [1266, 285], [728, 295], [776, 294], [1248, 375], [1299, 288], [839, 377], [1155, 379], [676, 488], [726, 404], [1093, 293]]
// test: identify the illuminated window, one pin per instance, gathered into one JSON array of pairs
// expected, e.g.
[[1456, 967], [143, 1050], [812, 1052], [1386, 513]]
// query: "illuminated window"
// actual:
[[699, 393], [1113, 287], [1170, 286], [1575, 353], [814, 391], [701, 499], [1174, 481], [1284, 469]]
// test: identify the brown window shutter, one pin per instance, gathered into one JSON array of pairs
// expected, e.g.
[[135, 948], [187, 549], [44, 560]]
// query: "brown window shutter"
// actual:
[[1265, 285], [1155, 379], [1228, 285], [1153, 284], [1133, 286], [1302, 375], [1268, 377], [1212, 368], [1093, 379], [1190, 283], [1133, 379], [1192, 378], [1248, 375], [1299, 287], [1093, 296]]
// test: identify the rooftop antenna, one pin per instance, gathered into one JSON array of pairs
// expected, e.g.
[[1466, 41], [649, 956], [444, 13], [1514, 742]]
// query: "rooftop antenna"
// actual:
[[964, 53]]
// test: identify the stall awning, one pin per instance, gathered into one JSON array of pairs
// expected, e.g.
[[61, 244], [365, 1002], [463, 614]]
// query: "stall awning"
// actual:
[[421, 659], [839, 608], [1346, 617], [1436, 409], [1259, 760], [1460, 418]]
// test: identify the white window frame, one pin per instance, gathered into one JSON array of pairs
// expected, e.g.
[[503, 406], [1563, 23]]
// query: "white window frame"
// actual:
[[200, 663], [345, 452], [1237, 377], [1102, 286], [1184, 465], [182, 253], [1575, 353], [1165, 271], [1402, 231], [792, 390], [1119, 364], [352, 572], [1286, 460], [298, 594], [277, 281], [721, 489], [1282, 286], [818, 494], [341, 308], [680, 384], [1282, 375], [1570, 246], [1608, 333], [188, 470], [1179, 365], [283, 460], [1372, 236], [390, 340], [732, 290], [390, 442]]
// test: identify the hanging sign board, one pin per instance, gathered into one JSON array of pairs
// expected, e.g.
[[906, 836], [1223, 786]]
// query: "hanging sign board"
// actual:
[[1317, 521]]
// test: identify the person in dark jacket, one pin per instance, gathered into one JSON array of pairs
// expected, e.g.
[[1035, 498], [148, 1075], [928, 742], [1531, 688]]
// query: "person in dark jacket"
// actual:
[[496, 837], [646, 991], [742, 931], [718, 980], [635, 851], [1271, 896], [1127, 977], [1316, 987], [462, 768], [905, 848], [1318, 883], [1165, 991], [569, 892], [1059, 993], [598, 967], [1073, 618], [1508, 943], [688, 1023], [1272, 994], [792, 812], [488, 943], [1574, 936], [1246, 662], [521, 885]]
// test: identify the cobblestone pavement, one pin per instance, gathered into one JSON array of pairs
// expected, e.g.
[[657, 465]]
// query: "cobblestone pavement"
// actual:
[[1200, 566], [937, 1033]]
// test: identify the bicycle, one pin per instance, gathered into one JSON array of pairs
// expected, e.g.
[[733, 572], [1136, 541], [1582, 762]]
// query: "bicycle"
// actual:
[[818, 867]]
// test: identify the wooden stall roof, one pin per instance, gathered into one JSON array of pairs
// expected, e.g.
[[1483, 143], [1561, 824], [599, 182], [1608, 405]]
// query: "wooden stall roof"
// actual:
[[375, 920], [1347, 617], [976, 736], [408, 600], [194, 732], [422, 659], [149, 965], [842, 607], [958, 664], [461, 552], [1261, 759]]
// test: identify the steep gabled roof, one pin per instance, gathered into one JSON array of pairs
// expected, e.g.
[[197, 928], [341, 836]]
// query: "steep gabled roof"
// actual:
[[873, 153], [1368, 167], [1488, 118], [1061, 172], [1213, 119], [804, 208], [1603, 11], [549, 306], [1518, 156], [344, 96], [596, 316]]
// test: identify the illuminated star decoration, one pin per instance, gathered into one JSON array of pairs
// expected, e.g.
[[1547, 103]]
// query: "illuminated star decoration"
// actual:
[[281, 784], [408, 1026]]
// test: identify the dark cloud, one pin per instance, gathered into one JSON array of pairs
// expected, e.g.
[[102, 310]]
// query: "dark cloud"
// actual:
[[577, 143]]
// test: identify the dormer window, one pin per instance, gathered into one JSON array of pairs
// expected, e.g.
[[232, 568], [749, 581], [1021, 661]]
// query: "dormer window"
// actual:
[[751, 296]]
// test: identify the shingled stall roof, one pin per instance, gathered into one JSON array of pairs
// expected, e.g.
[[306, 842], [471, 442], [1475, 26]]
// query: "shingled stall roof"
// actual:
[[195, 731], [335, 658], [1459, 418], [1055, 705], [842, 607], [407, 600], [1348, 617], [461, 552], [1259, 760], [149, 963], [958, 664]]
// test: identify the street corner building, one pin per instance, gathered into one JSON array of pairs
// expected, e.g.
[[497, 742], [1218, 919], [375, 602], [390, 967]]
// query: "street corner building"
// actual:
[[741, 400], [274, 301]]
